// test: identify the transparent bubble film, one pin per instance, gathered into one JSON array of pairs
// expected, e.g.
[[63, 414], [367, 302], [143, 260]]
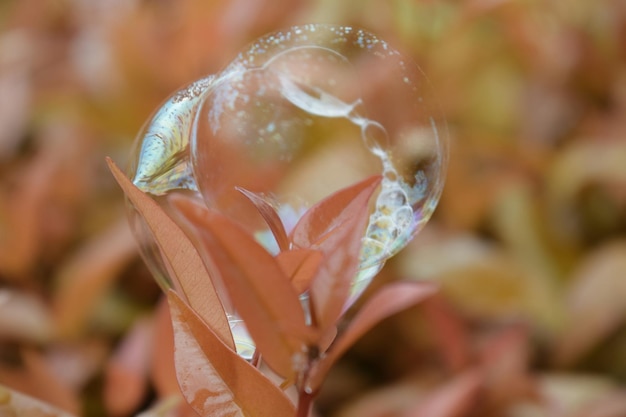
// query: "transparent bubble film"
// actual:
[[298, 115]]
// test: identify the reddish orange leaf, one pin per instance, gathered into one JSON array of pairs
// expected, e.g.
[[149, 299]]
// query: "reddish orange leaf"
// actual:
[[270, 216], [336, 227], [214, 380], [261, 293], [390, 300], [331, 212], [184, 261], [300, 266]]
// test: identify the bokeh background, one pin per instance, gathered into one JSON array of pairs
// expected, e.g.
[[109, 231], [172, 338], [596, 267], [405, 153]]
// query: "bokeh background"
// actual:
[[528, 243]]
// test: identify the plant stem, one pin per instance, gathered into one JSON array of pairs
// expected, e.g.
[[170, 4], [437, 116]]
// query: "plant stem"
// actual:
[[305, 402], [305, 396], [256, 358]]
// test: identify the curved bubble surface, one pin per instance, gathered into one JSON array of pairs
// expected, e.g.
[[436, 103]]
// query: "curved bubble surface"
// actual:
[[268, 122]]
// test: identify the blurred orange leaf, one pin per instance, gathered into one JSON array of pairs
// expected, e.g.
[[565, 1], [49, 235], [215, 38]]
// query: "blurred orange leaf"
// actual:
[[162, 368], [126, 382], [335, 227], [585, 162], [45, 384], [84, 279], [23, 211], [186, 264], [505, 359], [454, 399], [259, 289], [76, 364], [24, 317], [595, 302], [613, 404], [450, 331], [213, 378], [482, 280], [579, 395], [13, 403]]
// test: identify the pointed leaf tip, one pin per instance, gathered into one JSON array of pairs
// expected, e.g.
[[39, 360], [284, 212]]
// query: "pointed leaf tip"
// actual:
[[332, 211], [271, 217], [335, 226], [184, 262]]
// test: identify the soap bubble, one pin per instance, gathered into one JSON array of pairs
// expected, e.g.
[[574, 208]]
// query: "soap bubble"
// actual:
[[268, 122], [280, 102]]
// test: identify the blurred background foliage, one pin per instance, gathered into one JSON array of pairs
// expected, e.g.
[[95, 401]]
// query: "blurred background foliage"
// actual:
[[528, 243]]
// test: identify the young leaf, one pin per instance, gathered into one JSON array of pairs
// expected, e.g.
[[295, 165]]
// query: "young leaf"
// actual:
[[390, 300], [257, 286], [331, 212], [270, 216], [300, 265], [214, 380], [335, 226], [184, 260]]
